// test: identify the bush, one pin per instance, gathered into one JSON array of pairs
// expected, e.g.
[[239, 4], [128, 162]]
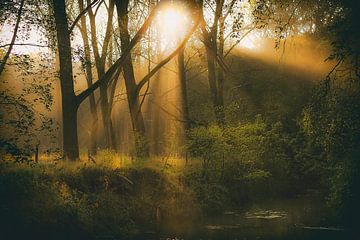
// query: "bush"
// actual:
[[242, 161]]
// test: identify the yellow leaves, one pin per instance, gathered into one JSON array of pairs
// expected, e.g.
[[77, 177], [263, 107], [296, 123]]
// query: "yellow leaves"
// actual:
[[106, 183], [64, 190], [306, 122]]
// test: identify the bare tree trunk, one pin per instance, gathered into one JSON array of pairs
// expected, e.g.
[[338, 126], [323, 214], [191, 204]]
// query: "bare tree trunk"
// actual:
[[141, 145], [183, 89], [37, 152], [220, 72], [89, 78], [111, 99], [156, 125], [210, 41], [156, 116], [7, 55], [100, 66], [211, 65], [69, 101]]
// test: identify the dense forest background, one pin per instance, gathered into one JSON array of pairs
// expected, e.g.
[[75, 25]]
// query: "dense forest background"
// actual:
[[149, 119]]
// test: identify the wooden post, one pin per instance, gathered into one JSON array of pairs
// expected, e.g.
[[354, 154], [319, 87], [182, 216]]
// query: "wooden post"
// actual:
[[37, 153]]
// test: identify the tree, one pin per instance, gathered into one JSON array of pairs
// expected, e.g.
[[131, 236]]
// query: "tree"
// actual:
[[214, 41], [89, 78], [7, 54], [100, 61], [129, 77], [210, 42], [68, 99], [183, 89], [331, 119], [133, 88]]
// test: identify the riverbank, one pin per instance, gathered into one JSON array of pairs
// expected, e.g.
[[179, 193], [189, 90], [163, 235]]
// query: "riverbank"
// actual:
[[55, 200], [162, 198]]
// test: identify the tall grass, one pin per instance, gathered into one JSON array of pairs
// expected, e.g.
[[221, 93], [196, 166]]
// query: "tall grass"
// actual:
[[117, 197]]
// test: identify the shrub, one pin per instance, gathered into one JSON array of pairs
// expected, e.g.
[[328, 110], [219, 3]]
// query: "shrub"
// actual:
[[243, 161]]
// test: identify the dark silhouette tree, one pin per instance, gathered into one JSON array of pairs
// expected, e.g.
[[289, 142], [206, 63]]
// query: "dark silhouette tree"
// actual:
[[16, 28]]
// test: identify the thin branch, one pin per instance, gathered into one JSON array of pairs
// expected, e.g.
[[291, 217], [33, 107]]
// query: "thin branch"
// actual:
[[335, 67], [154, 62], [108, 33], [247, 27], [113, 88], [237, 42], [167, 112], [97, 8], [77, 19], [143, 99], [197, 74], [169, 57], [229, 9], [112, 70], [7, 55], [191, 57], [23, 44]]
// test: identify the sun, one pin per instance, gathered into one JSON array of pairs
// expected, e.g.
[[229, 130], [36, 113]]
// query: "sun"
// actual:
[[249, 42], [172, 24]]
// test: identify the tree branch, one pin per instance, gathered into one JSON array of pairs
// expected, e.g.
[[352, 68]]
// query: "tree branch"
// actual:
[[169, 57], [231, 5], [23, 44], [108, 32], [112, 70], [77, 19], [7, 55], [238, 41]]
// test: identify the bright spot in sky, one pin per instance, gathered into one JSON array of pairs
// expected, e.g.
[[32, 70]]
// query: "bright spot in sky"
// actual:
[[34, 37], [249, 42], [172, 23]]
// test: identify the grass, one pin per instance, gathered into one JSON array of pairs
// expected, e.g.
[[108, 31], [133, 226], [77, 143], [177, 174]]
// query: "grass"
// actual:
[[117, 197]]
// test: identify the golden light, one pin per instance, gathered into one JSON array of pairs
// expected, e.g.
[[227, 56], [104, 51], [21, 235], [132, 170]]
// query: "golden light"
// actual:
[[249, 42], [172, 25]]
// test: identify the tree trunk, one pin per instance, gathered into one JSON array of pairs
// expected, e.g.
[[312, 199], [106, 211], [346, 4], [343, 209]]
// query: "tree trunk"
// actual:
[[211, 64], [183, 89], [70, 136], [100, 67], [141, 145], [157, 121], [89, 78], [112, 92], [7, 55], [220, 73], [69, 103], [216, 85]]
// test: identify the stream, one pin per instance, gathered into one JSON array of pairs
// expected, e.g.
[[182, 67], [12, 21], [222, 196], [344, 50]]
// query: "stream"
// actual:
[[300, 218]]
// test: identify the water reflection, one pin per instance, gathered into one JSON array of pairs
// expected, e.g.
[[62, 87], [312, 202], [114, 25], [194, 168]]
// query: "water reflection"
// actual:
[[288, 220]]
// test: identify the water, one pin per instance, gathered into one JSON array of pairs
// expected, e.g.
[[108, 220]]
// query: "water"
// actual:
[[265, 224], [295, 219]]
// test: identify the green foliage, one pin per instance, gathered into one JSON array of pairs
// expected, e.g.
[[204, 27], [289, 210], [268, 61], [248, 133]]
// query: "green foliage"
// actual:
[[245, 141], [332, 119], [141, 148], [212, 197], [242, 163], [108, 157], [331, 123], [207, 143], [26, 106]]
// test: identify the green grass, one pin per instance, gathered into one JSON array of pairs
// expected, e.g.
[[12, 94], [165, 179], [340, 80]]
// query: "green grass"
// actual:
[[116, 197]]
